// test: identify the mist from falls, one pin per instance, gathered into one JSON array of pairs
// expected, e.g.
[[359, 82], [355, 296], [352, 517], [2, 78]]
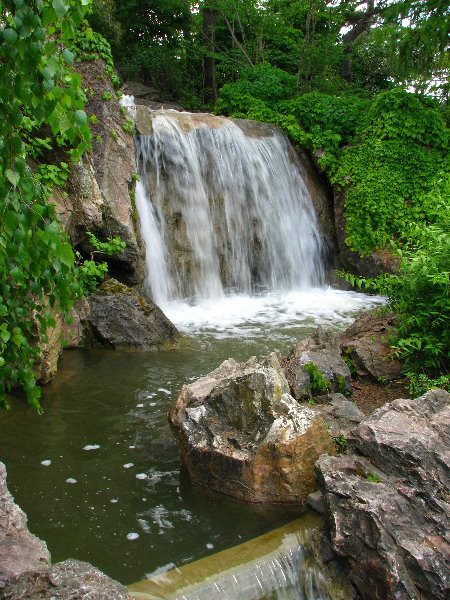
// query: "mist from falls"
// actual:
[[222, 211]]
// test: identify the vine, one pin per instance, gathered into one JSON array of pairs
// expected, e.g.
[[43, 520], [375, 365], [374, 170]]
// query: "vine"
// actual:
[[37, 87]]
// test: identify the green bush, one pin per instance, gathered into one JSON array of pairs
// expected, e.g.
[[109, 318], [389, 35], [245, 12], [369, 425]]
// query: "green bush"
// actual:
[[404, 146], [89, 273], [419, 290]]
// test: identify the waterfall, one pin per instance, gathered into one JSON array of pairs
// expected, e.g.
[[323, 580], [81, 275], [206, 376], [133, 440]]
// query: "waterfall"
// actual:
[[284, 577], [223, 208], [279, 565]]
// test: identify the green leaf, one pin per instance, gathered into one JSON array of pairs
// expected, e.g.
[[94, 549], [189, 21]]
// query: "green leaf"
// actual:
[[68, 56], [13, 177], [10, 36], [60, 8], [5, 335], [80, 117]]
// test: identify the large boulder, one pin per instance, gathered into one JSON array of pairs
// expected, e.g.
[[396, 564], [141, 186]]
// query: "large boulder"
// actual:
[[240, 432], [387, 504], [121, 318], [20, 550], [366, 344], [68, 580], [323, 352]]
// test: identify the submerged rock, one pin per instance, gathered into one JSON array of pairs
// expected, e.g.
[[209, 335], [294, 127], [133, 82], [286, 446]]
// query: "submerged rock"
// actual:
[[121, 318], [68, 580], [387, 505], [241, 432], [322, 350], [20, 550]]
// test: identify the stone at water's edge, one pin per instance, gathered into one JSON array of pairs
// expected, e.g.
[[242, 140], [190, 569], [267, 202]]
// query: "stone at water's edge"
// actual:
[[20, 550], [121, 318], [387, 505], [240, 432], [68, 580], [322, 349]]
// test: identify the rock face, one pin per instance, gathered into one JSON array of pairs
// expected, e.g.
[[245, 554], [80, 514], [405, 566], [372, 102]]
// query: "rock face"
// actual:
[[340, 414], [20, 550], [366, 344], [321, 349], [68, 580], [121, 318], [100, 184], [387, 505], [240, 432]]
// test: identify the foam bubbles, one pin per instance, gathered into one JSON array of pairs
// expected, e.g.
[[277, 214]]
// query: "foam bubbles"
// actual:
[[132, 536], [128, 465], [141, 476], [71, 480], [91, 447], [46, 463]]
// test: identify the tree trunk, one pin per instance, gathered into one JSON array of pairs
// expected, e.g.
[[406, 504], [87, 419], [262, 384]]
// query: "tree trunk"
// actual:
[[209, 62]]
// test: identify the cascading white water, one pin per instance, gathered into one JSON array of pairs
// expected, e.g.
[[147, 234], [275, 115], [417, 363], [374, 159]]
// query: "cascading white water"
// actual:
[[288, 576], [221, 210]]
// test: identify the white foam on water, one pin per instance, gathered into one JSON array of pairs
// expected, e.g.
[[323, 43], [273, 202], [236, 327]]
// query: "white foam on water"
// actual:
[[132, 536], [71, 480], [242, 315], [128, 465], [168, 392], [91, 447], [46, 463], [141, 476]]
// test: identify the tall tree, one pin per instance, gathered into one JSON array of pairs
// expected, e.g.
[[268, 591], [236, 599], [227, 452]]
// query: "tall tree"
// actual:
[[209, 15]]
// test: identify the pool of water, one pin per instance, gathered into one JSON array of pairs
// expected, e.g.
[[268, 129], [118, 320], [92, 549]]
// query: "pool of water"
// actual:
[[98, 473]]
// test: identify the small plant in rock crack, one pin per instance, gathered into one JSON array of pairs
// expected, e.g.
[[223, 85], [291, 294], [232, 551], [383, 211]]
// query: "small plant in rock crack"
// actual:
[[341, 443], [317, 382], [90, 272]]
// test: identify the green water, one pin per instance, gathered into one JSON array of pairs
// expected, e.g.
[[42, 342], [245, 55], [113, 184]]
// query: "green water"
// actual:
[[113, 493]]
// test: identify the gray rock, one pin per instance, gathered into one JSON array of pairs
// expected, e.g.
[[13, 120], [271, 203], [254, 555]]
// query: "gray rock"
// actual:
[[68, 580], [322, 349], [387, 505], [340, 414], [100, 183], [240, 432], [122, 318], [315, 502], [20, 550], [367, 344]]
